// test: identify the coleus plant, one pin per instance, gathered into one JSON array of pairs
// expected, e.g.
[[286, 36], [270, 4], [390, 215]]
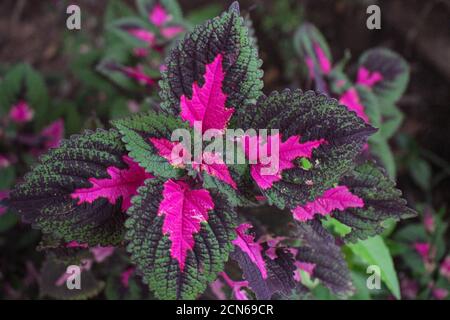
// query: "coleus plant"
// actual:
[[178, 219], [380, 79]]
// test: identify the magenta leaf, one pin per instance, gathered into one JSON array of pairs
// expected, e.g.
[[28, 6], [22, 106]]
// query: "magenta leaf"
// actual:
[[144, 35], [324, 62], [171, 31], [313, 49], [248, 245], [21, 112], [214, 165], [337, 198], [352, 101], [184, 209], [385, 72], [237, 287], [158, 15], [382, 201], [122, 184], [367, 78], [313, 118], [165, 149], [216, 60], [289, 150], [207, 104], [211, 163]]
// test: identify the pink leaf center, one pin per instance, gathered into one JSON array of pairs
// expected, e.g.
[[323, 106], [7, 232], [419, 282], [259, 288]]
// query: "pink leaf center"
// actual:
[[350, 99], [171, 32], [367, 78], [269, 166], [324, 62], [122, 183], [237, 287], [138, 74], [159, 16], [303, 266], [337, 198], [177, 155], [143, 35], [184, 210], [21, 112], [207, 104], [248, 245]]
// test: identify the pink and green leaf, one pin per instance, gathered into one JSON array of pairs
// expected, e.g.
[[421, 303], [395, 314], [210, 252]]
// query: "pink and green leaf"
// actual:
[[320, 131], [216, 57], [82, 163], [207, 104], [184, 209], [147, 138], [247, 244], [337, 198], [179, 237], [385, 73], [122, 184]]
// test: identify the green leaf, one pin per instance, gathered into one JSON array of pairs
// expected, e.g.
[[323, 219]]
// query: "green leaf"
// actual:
[[371, 107], [380, 148], [420, 171], [7, 221], [392, 120], [22, 81], [116, 9], [37, 96], [359, 281], [137, 130], [10, 87], [382, 201], [373, 251]]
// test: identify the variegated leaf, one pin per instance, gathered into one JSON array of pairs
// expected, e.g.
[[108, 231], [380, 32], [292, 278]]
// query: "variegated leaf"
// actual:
[[80, 190], [382, 201], [178, 261], [225, 37], [312, 117]]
